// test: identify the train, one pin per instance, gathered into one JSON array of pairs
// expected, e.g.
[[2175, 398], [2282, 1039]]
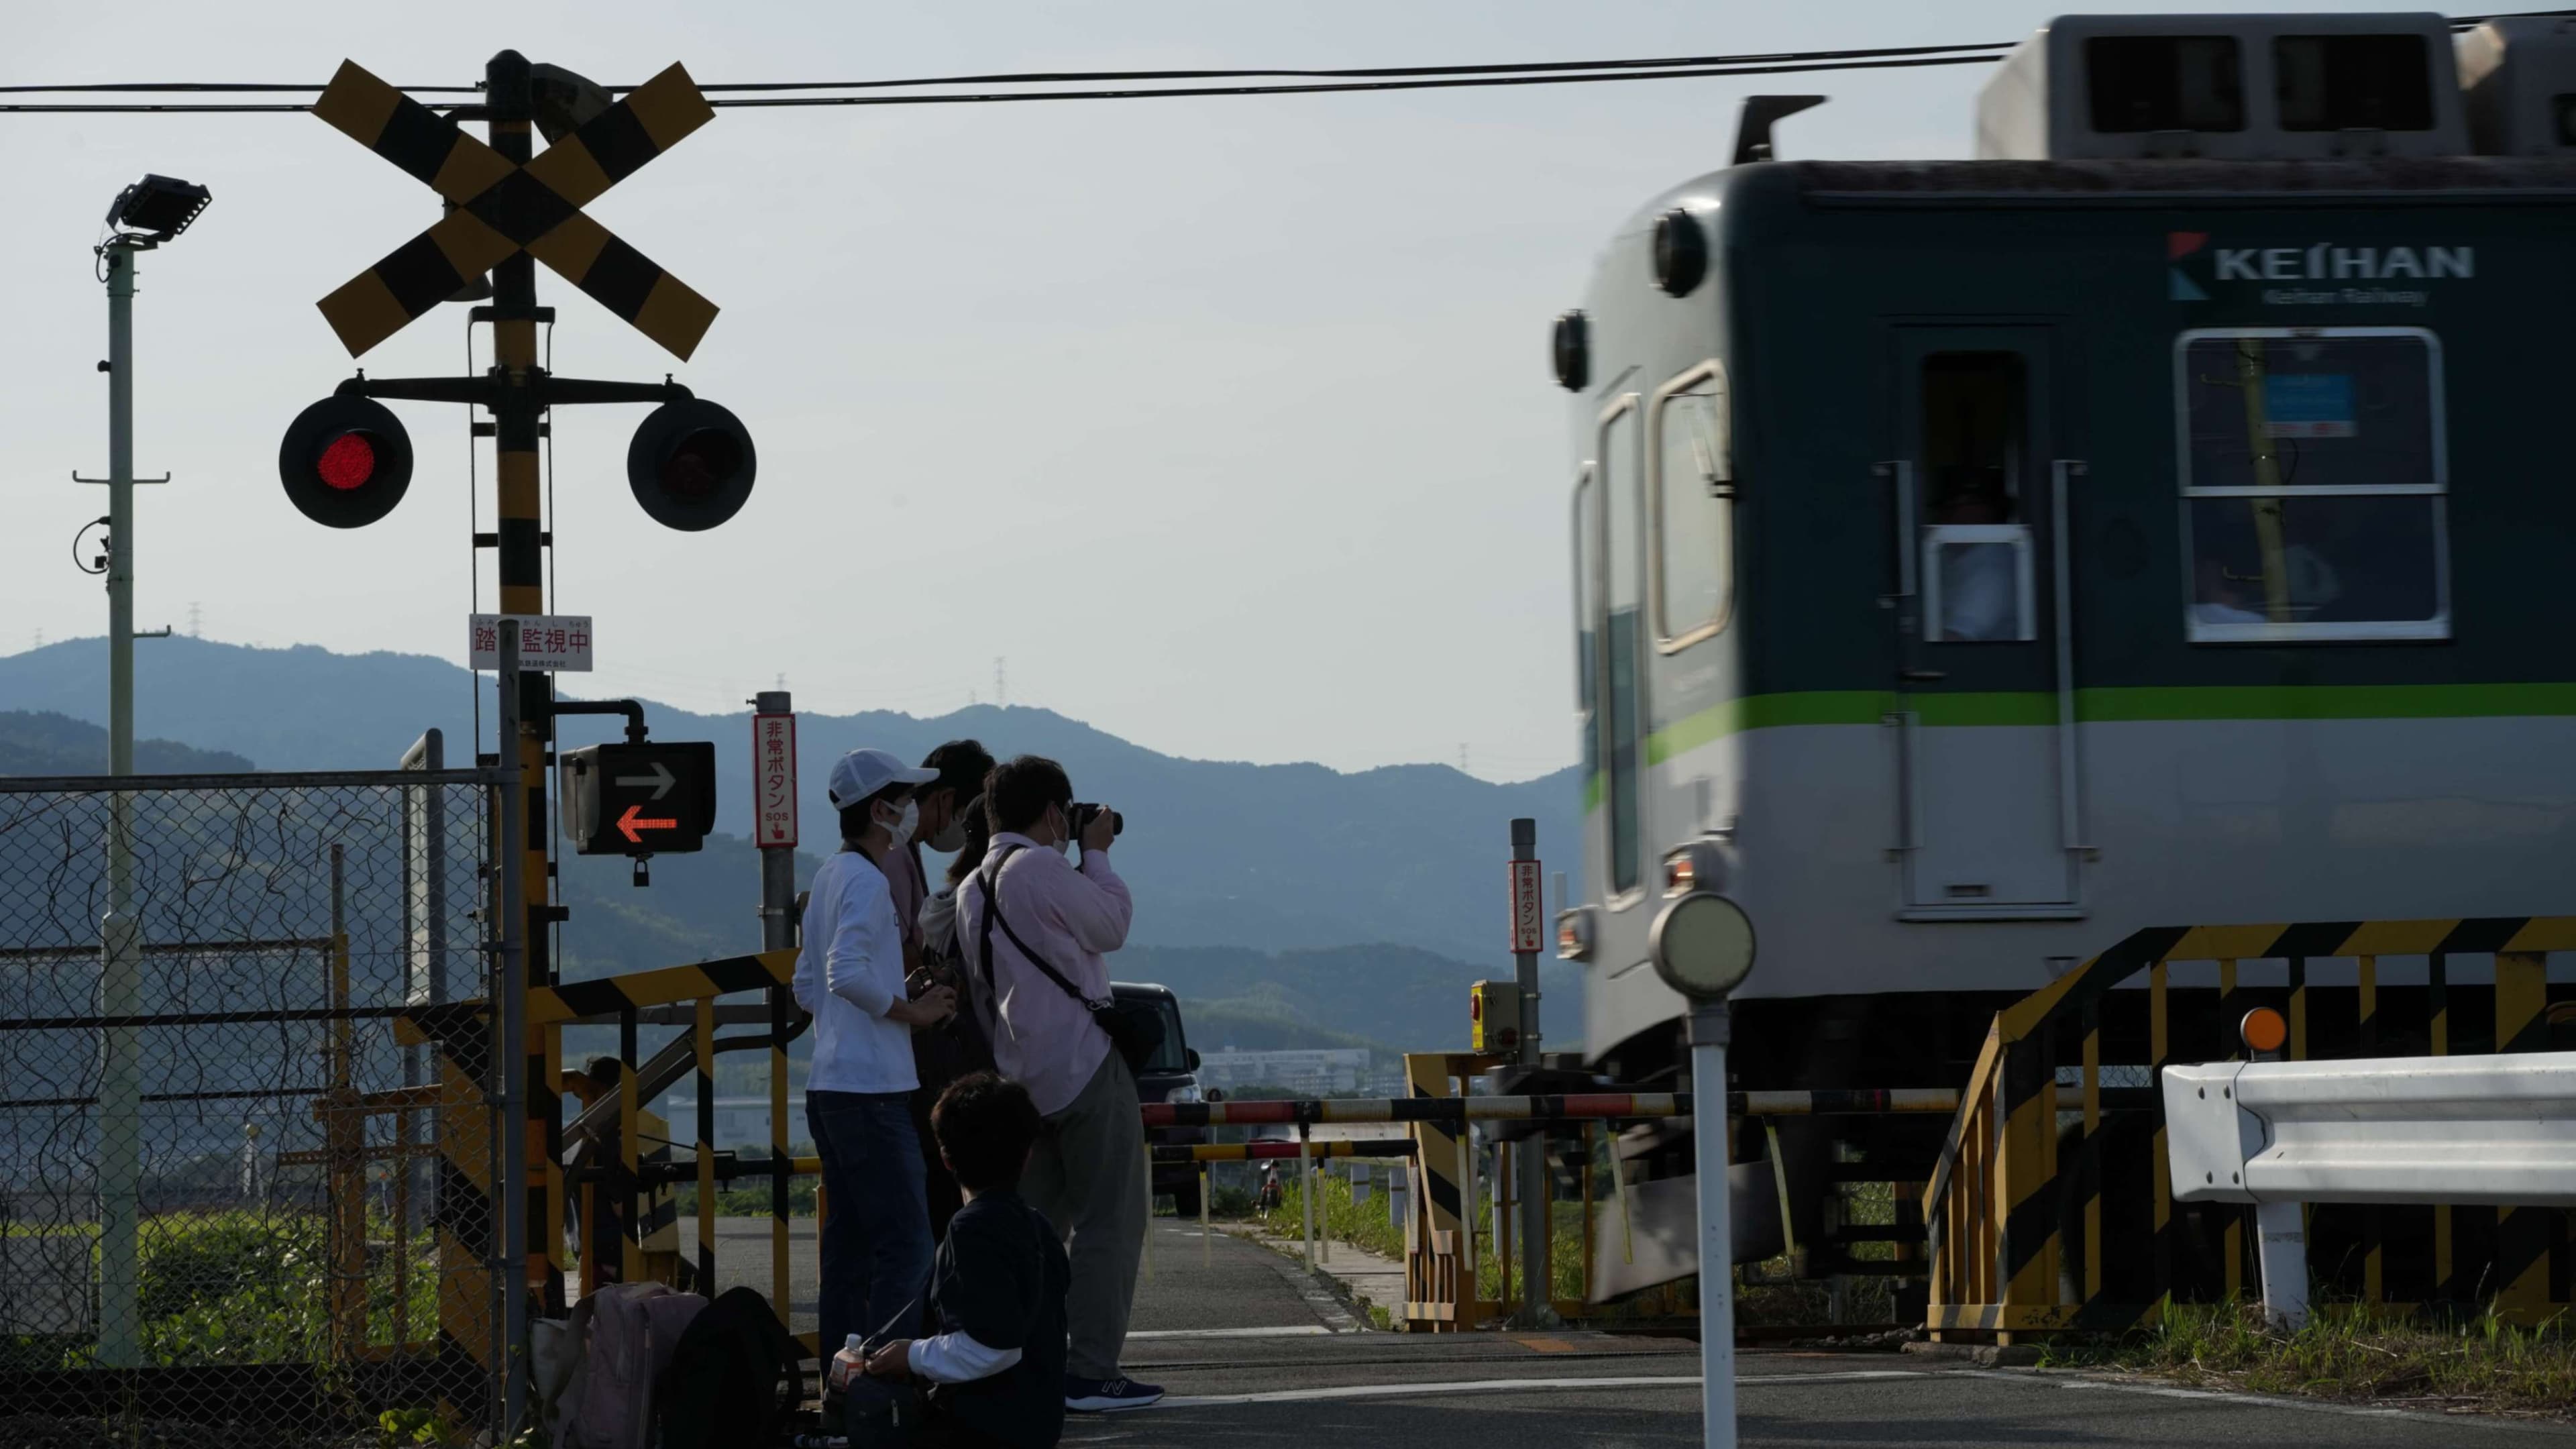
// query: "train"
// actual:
[[2161, 517]]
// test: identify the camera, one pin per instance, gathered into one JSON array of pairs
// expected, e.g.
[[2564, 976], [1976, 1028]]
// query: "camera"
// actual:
[[1078, 817]]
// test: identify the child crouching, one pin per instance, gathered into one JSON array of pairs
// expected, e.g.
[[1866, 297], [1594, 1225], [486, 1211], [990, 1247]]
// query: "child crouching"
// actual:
[[996, 1368]]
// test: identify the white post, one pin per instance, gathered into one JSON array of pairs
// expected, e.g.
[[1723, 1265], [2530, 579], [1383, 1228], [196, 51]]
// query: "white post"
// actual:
[[1709, 1028], [1306, 1191], [1207, 1253], [1149, 1212], [2284, 1254]]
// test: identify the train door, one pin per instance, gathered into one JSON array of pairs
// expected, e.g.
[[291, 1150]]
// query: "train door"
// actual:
[[1983, 725]]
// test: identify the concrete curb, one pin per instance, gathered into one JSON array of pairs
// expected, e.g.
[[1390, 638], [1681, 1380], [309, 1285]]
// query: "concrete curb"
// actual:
[[1983, 1355]]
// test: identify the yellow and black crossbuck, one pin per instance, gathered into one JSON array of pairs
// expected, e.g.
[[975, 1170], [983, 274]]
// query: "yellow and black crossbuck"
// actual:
[[502, 209]]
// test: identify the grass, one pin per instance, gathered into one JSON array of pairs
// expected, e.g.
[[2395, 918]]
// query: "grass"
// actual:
[[2347, 1351], [245, 1287]]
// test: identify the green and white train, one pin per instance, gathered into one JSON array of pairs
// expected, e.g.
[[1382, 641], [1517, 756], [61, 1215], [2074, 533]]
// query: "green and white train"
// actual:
[[2165, 518]]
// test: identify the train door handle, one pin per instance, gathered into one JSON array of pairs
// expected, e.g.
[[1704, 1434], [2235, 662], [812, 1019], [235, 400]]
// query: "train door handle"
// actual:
[[1926, 675]]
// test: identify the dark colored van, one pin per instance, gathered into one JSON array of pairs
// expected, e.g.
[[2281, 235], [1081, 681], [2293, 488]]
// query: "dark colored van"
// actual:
[[1172, 1076]]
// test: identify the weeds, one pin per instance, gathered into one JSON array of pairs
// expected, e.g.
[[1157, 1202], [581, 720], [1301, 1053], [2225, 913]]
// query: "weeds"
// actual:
[[2350, 1351]]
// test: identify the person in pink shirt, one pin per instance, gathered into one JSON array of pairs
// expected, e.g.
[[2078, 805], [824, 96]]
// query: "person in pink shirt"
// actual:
[[1027, 918]]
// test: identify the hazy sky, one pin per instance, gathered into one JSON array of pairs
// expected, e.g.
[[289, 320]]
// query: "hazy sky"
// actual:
[[1227, 422]]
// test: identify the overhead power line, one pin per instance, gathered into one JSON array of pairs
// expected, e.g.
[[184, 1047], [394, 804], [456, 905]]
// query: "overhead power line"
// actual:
[[1143, 84]]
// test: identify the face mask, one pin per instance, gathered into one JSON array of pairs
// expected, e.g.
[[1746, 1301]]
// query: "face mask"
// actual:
[[902, 828], [950, 840]]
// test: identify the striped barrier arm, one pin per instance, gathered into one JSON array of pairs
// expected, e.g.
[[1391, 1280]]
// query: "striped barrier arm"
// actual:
[[1562, 1107], [1167, 1154]]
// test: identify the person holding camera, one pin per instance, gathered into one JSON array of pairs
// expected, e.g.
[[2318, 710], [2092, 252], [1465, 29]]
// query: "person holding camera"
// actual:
[[858, 1089], [1034, 926]]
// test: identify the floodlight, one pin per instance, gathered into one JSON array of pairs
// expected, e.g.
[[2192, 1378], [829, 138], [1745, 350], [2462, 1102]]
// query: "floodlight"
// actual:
[[157, 208]]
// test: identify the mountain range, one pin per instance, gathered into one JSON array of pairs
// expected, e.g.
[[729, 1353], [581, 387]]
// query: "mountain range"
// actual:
[[1288, 905]]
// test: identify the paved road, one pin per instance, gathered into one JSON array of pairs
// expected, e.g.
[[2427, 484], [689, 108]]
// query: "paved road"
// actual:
[[1254, 1353]]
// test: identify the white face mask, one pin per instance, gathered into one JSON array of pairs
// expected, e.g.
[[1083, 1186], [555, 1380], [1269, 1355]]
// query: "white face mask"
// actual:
[[904, 824], [950, 840]]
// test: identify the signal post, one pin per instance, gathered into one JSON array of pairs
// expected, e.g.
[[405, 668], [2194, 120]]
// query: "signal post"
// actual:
[[346, 461]]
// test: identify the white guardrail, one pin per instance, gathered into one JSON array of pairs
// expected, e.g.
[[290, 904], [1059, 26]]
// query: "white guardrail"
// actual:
[[2461, 1130]]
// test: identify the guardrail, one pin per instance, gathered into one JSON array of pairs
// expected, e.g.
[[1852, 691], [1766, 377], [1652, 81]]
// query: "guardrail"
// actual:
[[2282, 1135], [2023, 1172]]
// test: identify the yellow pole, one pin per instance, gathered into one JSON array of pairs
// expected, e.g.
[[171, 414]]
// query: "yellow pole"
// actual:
[[2267, 474]]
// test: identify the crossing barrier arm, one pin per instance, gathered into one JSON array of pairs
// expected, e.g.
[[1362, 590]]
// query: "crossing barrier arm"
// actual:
[[2397, 1130]]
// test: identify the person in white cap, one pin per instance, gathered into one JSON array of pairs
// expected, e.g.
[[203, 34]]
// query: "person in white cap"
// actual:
[[850, 975]]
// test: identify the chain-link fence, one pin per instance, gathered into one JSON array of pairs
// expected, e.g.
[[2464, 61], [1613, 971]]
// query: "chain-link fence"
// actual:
[[248, 1135]]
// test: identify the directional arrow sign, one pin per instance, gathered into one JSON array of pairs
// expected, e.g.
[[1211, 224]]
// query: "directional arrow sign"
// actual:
[[632, 824], [647, 799], [660, 781]]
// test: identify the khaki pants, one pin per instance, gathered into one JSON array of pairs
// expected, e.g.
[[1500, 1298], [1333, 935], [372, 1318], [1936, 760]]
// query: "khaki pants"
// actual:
[[1088, 1176]]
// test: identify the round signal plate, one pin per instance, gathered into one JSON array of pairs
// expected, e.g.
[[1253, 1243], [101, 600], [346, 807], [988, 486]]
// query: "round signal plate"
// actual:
[[1702, 945]]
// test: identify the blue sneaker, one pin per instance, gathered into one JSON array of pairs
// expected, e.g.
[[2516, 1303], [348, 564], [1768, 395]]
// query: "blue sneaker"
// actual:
[[1106, 1396]]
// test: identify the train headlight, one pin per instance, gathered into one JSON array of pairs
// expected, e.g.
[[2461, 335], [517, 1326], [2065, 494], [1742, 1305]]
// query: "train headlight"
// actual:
[[1574, 934]]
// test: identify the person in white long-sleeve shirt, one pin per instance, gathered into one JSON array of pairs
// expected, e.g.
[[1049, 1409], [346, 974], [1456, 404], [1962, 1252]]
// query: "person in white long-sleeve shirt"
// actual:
[[997, 1295], [875, 1245]]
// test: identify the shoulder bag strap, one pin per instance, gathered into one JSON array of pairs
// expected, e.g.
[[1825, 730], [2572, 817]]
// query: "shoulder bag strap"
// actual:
[[993, 913]]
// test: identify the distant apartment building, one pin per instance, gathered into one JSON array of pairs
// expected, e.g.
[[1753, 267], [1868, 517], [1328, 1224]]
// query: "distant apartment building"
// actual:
[[1309, 1073], [742, 1123]]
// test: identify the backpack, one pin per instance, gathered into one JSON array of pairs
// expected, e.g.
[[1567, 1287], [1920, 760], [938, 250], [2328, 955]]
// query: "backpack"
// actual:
[[738, 1378], [621, 1339]]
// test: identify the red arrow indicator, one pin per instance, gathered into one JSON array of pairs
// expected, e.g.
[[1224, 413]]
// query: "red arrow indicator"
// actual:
[[627, 825]]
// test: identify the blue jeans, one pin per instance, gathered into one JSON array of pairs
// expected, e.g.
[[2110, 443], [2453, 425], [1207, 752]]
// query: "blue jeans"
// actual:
[[876, 1243]]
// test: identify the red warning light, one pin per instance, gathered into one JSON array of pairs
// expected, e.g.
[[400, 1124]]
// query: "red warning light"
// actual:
[[348, 463]]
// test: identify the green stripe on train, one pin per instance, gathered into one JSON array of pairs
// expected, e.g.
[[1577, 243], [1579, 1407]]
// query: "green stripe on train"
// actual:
[[2113, 705]]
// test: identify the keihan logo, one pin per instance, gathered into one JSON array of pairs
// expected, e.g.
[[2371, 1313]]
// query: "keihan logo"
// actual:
[[2315, 262]]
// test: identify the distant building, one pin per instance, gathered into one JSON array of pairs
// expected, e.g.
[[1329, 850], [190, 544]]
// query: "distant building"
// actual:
[[742, 1123], [1310, 1073]]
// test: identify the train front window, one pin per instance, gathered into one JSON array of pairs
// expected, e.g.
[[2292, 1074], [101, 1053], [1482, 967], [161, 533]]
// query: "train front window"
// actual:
[[1976, 546], [1623, 567], [1694, 488], [2313, 483]]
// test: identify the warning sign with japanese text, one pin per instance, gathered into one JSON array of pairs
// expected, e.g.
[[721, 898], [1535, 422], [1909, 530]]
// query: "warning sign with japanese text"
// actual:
[[1529, 914], [548, 643], [773, 777]]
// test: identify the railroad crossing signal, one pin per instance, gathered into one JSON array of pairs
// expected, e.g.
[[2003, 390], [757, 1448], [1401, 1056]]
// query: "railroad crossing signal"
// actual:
[[502, 209], [346, 461], [639, 799]]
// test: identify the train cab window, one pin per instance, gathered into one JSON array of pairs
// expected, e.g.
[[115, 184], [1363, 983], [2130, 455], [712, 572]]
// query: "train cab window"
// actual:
[[2354, 82], [2313, 484], [1623, 627], [1694, 489], [1976, 546], [2164, 83]]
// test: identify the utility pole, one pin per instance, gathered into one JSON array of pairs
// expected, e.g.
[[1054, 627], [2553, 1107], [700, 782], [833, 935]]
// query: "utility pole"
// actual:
[[120, 1120]]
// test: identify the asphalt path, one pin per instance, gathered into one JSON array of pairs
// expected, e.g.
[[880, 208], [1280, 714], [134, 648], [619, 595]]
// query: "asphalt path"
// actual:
[[1252, 1351]]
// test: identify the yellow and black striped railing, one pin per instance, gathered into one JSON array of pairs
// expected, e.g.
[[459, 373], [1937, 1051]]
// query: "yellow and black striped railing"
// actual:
[[2024, 1172]]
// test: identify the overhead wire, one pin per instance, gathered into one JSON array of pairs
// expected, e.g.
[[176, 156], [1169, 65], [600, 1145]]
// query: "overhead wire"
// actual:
[[1504, 72]]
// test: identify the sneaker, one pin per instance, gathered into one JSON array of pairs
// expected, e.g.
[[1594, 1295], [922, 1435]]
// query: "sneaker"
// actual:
[[1103, 1396]]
